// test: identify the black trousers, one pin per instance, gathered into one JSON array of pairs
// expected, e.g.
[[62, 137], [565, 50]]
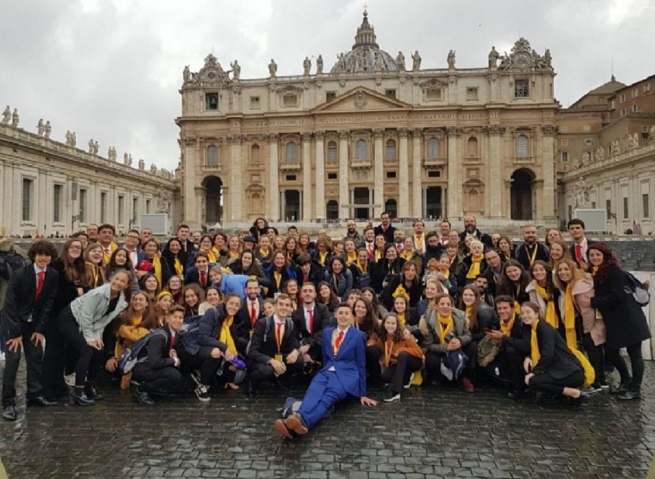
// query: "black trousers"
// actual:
[[398, 374], [636, 361], [202, 361], [545, 382], [168, 379], [259, 372], [596, 357], [373, 355], [54, 358], [507, 368], [34, 358], [89, 359]]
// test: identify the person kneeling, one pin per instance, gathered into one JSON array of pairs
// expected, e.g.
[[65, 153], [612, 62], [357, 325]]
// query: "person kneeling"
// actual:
[[551, 366], [343, 374], [158, 367]]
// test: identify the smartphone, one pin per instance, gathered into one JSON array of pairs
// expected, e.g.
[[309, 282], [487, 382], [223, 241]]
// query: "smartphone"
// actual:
[[487, 330]]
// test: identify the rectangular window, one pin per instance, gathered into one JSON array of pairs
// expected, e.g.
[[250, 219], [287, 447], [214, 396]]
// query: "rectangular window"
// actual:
[[57, 203], [135, 210], [211, 101], [565, 156], [635, 108], [623, 98], [291, 177], [332, 176], [121, 210], [391, 93], [330, 95], [472, 93], [626, 210], [254, 103], [147, 207], [624, 112], [522, 89], [588, 142], [28, 191], [103, 207], [83, 205], [433, 95], [290, 100], [608, 208], [645, 206], [613, 105], [593, 205], [391, 174], [434, 174]]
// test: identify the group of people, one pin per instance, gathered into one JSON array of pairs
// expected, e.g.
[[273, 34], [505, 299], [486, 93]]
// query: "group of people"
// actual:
[[377, 309]]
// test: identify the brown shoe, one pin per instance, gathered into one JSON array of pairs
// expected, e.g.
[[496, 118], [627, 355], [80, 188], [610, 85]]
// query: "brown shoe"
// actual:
[[282, 428], [294, 423]]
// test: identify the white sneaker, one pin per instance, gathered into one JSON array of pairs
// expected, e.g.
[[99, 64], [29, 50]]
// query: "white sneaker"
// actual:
[[70, 380], [202, 394], [409, 383], [2, 356]]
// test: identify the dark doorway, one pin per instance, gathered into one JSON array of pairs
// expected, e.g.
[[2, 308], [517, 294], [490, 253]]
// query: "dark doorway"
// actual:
[[213, 200], [291, 205], [521, 194], [362, 197], [391, 207], [433, 204], [332, 212]]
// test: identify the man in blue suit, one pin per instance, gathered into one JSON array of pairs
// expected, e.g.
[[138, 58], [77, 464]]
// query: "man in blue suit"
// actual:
[[343, 375]]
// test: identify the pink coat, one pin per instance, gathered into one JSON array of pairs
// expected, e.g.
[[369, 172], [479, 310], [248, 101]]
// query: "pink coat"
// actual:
[[590, 323]]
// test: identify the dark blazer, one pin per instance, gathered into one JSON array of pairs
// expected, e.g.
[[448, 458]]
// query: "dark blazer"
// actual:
[[523, 255], [66, 291], [193, 276], [624, 319], [287, 273], [21, 304], [165, 271], [262, 345], [382, 269], [209, 329], [557, 360], [463, 270], [243, 315], [487, 319], [386, 297], [321, 321], [584, 253], [484, 237], [169, 259], [519, 337], [350, 362], [156, 354], [387, 234]]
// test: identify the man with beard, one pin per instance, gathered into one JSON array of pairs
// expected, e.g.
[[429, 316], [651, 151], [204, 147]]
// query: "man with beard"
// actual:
[[252, 309], [493, 271], [444, 229], [385, 228], [419, 236], [369, 242], [471, 228], [433, 249], [531, 250], [351, 233]]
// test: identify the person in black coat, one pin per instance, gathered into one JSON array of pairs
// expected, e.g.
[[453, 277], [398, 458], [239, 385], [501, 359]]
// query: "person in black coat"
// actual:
[[580, 247], [30, 296], [551, 366], [625, 323], [531, 250], [386, 268], [251, 310], [309, 321], [385, 228], [158, 367], [274, 351], [410, 282], [513, 282]]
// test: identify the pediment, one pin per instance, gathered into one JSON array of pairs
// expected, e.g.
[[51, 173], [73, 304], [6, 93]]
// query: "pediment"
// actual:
[[361, 99]]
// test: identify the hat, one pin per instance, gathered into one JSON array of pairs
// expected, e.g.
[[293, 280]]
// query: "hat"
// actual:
[[249, 239]]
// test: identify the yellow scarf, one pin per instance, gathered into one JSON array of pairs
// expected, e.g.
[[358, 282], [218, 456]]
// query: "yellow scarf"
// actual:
[[322, 257], [569, 318], [157, 264], [418, 240], [378, 255], [406, 254], [351, 258], [400, 291], [517, 306], [278, 279], [445, 327], [506, 328], [551, 314], [361, 268], [264, 254], [226, 335], [535, 354], [401, 319], [211, 257], [468, 312], [179, 268], [594, 270], [233, 254], [388, 348], [474, 270], [106, 255], [95, 271], [445, 273]]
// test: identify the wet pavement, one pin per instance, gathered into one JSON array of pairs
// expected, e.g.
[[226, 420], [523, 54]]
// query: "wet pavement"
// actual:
[[429, 433]]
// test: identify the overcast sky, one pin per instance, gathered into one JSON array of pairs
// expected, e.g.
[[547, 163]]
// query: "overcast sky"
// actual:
[[111, 70]]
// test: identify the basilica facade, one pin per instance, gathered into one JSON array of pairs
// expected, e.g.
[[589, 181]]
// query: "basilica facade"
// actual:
[[374, 132]]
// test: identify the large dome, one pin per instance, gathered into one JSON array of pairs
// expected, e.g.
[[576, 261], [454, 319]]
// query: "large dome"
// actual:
[[365, 55]]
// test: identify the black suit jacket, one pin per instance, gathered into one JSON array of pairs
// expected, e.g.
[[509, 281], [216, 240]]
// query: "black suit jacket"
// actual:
[[243, 315], [23, 311], [584, 253], [263, 347], [193, 276], [387, 234], [556, 357], [523, 255], [321, 321]]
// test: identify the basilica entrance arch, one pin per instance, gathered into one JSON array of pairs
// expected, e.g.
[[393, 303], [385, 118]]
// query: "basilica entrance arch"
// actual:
[[213, 200], [522, 193]]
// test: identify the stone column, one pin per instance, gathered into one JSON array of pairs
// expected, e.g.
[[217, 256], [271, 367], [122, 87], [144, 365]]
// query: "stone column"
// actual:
[[378, 196], [417, 189], [320, 176], [236, 191], [549, 187], [494, 185], [403, 175], [454, 182], [343, 174], [273, 205], [306, 177], [192, 210]]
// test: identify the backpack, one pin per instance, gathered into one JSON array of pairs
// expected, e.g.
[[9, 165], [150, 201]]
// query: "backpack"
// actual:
[[130, 357], [10, 261], [634, 288]]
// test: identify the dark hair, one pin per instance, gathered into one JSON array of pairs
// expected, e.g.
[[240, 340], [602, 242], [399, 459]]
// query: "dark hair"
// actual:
[[148, 318], [43, 247], [369, 325], [533, 306], [75, 269], [609, 260], [397, 335], [473, 319], [176, 308], [200, 254], [303, 259], [200, 294], [550, 286], [343, 305], [134, 231], [211, 240], [292, 227], [221, 234], [107, 226], [503, 298], [507, 286], [112, 266], [333, 301], [431, 234], [575, 221], [183, 225]]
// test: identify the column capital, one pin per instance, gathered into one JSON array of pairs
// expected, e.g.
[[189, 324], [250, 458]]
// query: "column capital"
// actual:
[[235, 139], [494, 129], [344, 134], [417, 132], [306, 136], [403, 132], [273, 138], [453, 131], [549, 129], [378, 132], [319, 135]]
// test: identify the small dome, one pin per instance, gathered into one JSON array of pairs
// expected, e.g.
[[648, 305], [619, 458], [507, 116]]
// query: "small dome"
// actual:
[[365, 55]]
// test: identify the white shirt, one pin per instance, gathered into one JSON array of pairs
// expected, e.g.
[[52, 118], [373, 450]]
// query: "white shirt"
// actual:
[[335, 335]]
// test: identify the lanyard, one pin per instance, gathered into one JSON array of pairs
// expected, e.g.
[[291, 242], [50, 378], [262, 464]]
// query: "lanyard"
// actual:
[[534, 254]]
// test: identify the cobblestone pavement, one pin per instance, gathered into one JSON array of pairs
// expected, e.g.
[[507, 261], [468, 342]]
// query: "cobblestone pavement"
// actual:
[[430, 433]]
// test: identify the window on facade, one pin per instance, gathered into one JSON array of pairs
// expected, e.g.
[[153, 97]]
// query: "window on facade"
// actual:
[[254, 103], [28, 191], [292, 152], [645, 207], [290, 100], [433, 95], [212, 156], [121, 210], [434, 174], [57, 203], [148, 203], [103, 207], [135, 210], [472, 147], [570, 212], [391, 150], [626, 209], [522, 146], [391, 207], [433, 148], [83, 206], [332, 151], [290, 177], [211, 101], [472, 93], [391, 93], [255, 157], [332, 210], [622, 98], [361, 150], [391, 174], [608, 208], [332, 176], [624, 112], [565, 156], [522, 89], [635, 108], [589, 141], [330, 95]]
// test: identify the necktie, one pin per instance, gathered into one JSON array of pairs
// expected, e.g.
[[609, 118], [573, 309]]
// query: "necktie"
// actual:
[[203, 279], [311, 320], [253, 314], [337, 343], [107, 251], [278, 336], [173, 338], [39, 282], [578, 252]]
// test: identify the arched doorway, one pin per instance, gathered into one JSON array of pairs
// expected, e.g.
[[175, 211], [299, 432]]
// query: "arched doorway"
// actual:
[[213, 200], [332, 210], [521, 194]]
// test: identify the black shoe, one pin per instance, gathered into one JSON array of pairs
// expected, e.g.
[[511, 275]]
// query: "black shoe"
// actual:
[[9, 413], [202, 393], [630, 394], [391, 396], [577, 402], [92, 393], [40, 401], [623, 387], [78, 397], [517, 394], [251, 389], [143, 398]]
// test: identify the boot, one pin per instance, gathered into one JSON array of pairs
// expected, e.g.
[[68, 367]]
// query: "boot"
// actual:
[[92, 393], [634, 392], [78, 397]]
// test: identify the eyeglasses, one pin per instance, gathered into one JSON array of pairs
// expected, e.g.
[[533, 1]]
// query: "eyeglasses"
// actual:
[[73, 247]]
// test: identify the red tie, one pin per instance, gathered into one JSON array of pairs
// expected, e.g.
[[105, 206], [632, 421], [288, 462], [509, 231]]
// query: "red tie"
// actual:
[[278, 336], [337, 343], [39, 282], [203, 279], [253, 314], [173, 341], [578, 252], [311, 321]]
